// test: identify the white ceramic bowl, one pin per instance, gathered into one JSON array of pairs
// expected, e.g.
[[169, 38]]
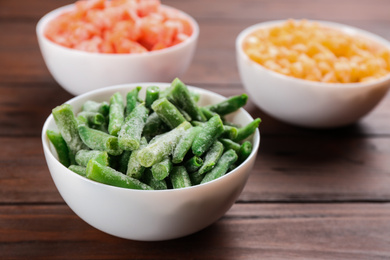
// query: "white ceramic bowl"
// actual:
[[307, 103], [148, 215], [79, 72]]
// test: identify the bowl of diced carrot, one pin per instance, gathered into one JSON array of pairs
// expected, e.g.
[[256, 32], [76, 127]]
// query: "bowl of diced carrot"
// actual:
[[314, 74], [151, 161], [97, 43]]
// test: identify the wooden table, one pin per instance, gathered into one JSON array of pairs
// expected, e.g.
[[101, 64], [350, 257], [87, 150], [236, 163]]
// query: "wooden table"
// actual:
[[313, 194]]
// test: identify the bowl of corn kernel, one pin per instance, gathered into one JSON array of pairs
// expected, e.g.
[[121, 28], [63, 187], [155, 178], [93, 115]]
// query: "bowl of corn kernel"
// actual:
[[313, 73]]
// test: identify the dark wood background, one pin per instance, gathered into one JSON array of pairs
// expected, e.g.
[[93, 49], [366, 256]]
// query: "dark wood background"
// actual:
[[313, 194]]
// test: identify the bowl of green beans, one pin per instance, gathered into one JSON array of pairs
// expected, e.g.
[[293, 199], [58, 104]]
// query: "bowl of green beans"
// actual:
[[151, 161]]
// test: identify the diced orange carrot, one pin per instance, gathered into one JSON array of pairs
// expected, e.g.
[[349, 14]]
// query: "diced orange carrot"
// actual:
[[119, 26]]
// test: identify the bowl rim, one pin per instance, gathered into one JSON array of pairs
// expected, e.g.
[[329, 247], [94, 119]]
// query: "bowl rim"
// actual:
[[44, 20], [47, 146], [350, 30]]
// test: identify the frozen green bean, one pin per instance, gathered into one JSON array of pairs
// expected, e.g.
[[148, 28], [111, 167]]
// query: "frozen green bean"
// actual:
[[93, 106], [162, 169], [196, 178], [68, 127], [60, 146], [229, 105], [131, 100], [163, 147], [229, 144], [116, 114], [134, 168], [152, 94], [248, 130], [212, 156], [91, 118], [211, 130], [182, 97], [154, 126], [122, 162], [98, 140], [207, 112], [229, 132], [104, 174], [130, 134], [83, 157], [80, 170], [148, 179], [185, 143], [193, 164], [180, 178], [244, 152], [168, 113], [227, 159]]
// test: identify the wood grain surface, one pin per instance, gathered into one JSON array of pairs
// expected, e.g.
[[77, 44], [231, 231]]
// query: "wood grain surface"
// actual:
[[313, 194]]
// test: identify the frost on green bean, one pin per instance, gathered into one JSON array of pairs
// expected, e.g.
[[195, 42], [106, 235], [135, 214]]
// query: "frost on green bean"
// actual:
[[83, 157], [60, 146], [180, 178], [223, 164], [107, 175], [116, 114], [134, 168], [68, 127], [130, 134], [212, 157], [98, 140], [168, 112], [211, 130], [163, 147]]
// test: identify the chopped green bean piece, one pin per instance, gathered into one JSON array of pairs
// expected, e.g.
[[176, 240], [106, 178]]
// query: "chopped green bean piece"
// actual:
[[98, 140], [229, 144], [180, 178], [92, 106], [61, 147], [223, 164], [130, 134], [154, 126], [163, 147], [116, 115], [92, 118], [182, 97], [107, 175], [193, 164], [244, 152], [229, 132], [185, 144], [152, 182], [80, 170], [247, 130], [207, 112], [123, 161], [83, 157], [212, 156], [152, 94], [134, 168], [162, 169], [229, 105], [131, 100], [211, 130], [68, 127], [168, 113], [196, 178]]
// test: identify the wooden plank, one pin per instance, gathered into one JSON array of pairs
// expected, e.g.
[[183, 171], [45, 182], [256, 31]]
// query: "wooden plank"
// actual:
[[287, 169], [247, 231]]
